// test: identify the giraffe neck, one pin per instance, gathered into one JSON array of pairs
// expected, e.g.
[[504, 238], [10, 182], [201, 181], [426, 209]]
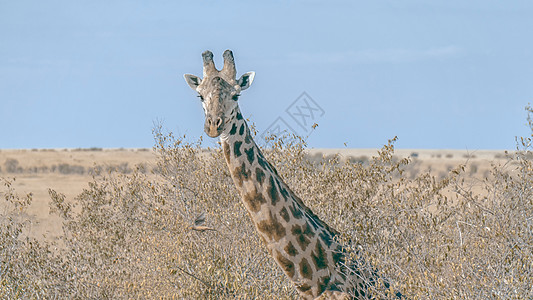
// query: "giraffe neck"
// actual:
[[301, 244]]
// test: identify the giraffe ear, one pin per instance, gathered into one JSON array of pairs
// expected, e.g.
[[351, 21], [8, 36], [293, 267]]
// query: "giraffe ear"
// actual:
[[192, 81], [246, 80]]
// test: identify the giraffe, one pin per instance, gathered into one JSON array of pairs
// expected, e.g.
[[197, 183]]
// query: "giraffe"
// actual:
[[302, 245]]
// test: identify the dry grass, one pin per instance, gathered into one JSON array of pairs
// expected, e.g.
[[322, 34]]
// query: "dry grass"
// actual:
[[70, 170], [128, 235], [65, 170]]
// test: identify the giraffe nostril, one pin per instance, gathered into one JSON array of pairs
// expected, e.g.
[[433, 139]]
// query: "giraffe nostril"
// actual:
[[219, 122]]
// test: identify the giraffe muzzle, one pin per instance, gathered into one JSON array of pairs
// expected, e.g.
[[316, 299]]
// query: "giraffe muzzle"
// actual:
[[213, 126]]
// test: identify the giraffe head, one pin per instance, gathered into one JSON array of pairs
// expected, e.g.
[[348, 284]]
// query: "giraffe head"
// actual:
[[219, 91]]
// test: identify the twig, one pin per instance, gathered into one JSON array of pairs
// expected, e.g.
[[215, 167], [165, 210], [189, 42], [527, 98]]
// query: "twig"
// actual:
[[193, 276], [460, 234]]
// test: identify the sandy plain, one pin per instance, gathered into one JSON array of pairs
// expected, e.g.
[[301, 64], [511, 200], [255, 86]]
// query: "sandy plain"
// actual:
[[68, 171]]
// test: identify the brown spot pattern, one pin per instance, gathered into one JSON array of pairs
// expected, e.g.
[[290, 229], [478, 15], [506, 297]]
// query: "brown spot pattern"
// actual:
[[286, 264], [241, 130], [250, 154], [296, 212], [254, 200], [259, 175], [233, 129], [272, 228], [265, 164], [241, 174], [319, 256], [305, 269], [302, 235], [304, 288], [323, 284], [285, 214], [326, 238], [247, 137], [338, 255], [237, 148], [272, 191], [290, 249], [262, 162]]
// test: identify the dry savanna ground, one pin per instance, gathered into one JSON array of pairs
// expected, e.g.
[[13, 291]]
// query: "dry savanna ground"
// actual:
[[67, 171]]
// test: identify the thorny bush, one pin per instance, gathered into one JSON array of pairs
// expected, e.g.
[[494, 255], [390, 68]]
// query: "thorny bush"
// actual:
[[134, 235]]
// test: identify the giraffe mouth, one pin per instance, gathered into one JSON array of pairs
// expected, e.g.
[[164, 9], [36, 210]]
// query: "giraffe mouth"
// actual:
[[214, 128], [213, 132]]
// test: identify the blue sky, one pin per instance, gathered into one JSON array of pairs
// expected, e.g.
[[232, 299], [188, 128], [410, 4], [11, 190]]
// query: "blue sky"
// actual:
[[437, 74]]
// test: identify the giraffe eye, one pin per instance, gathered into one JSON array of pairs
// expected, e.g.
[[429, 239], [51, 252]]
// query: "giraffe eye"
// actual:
[[235, 97], [201, 98]]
